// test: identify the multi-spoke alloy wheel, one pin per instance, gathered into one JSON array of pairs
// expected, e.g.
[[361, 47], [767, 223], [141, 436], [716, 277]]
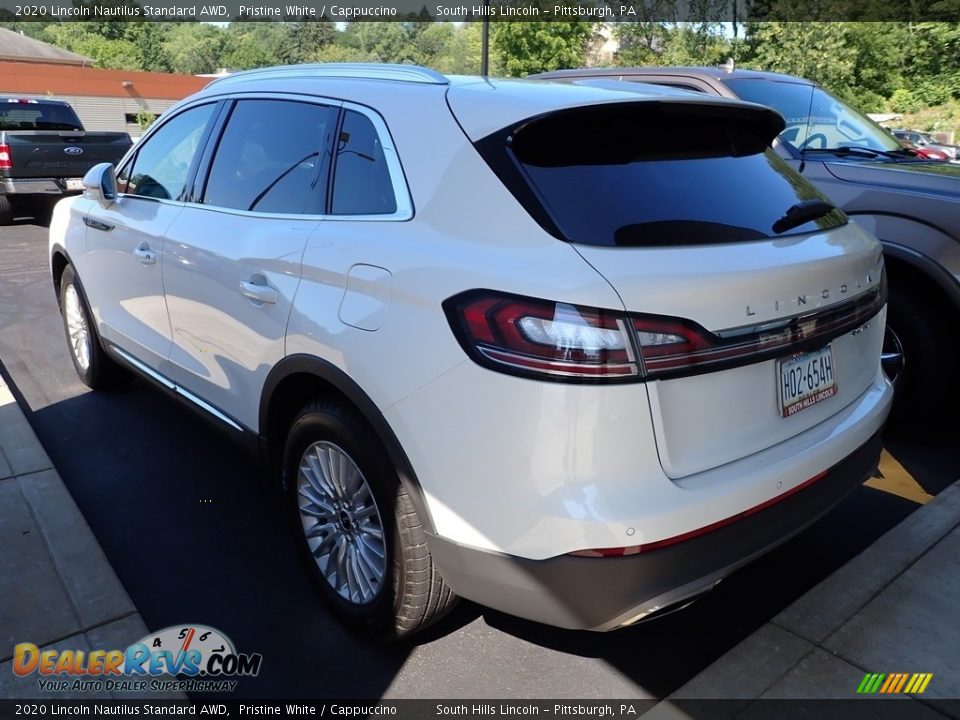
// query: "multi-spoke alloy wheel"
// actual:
[[77, 330], [93, 367], [358, 530], [341, 522]]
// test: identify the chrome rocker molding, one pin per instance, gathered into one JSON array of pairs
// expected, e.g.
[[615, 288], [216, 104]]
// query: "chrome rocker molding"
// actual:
[[176, 389]]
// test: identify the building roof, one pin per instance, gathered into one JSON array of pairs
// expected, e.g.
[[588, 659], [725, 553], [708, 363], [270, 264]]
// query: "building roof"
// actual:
[[34, 78], [14, 46]]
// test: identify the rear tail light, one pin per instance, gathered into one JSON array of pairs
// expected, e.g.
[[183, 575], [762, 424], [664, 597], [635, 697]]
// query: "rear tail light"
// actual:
[[6, 162], [544, 339], [558, 341]]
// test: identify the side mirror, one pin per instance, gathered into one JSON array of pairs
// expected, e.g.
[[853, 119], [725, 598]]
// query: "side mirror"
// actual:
[[100, 184]]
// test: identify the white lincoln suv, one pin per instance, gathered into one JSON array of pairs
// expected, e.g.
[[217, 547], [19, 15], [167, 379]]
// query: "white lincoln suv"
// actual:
[[575, 353]]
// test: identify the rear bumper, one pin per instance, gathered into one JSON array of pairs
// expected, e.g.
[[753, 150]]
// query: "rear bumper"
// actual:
[[33, 186], [606, 593]]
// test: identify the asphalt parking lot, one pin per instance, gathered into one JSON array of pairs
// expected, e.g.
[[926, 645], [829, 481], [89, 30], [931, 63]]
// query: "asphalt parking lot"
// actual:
[[197, 537]]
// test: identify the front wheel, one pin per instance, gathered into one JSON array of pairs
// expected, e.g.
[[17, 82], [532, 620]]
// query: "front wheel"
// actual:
[[361, 538], [94, 368], [6, 210]]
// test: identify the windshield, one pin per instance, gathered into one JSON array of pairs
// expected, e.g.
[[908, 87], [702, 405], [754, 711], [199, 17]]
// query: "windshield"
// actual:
[[35, 115], [820, 122]]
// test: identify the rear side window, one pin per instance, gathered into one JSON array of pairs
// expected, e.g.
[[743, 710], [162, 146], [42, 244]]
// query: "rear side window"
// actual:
[[652, 174], [273, 157], [37, 115], [162, 164], [361, 179]]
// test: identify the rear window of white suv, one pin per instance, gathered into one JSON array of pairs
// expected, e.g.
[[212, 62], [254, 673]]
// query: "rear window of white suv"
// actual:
[[653, 174]]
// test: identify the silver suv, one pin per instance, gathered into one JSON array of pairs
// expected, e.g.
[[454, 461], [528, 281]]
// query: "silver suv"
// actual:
[[487, 341]]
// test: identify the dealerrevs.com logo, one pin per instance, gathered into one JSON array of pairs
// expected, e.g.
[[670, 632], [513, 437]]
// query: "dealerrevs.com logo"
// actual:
[[191, 658]]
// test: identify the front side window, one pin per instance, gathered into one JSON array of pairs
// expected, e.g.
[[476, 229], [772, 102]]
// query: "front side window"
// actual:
[[361, 179], [273, 157], [161, 166]]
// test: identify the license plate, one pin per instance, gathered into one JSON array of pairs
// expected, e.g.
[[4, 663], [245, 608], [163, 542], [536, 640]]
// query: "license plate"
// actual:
[[74, 184], [806, 380]]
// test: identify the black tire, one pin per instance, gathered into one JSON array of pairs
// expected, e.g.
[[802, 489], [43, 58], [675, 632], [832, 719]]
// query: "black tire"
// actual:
[[100, 371], [920, 323], [42, 210], [412, 594], [6, 210]]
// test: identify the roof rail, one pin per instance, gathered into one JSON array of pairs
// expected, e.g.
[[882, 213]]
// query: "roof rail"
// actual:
[[368, 71]]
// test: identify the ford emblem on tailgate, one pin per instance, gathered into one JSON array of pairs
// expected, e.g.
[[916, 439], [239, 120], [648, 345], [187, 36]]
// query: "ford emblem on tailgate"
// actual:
[[73, 150]]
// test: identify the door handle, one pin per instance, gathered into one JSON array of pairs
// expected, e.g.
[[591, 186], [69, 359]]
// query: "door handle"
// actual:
[[146, 255], [256, 289], [96, 224]]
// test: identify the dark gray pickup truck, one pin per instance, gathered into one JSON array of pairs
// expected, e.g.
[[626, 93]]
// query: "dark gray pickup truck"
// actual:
[[45, 152], [910, 204]]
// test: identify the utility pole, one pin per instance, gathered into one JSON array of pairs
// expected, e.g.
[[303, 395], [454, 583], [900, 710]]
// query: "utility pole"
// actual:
[[485, 41]]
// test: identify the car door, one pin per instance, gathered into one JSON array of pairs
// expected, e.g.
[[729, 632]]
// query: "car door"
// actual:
[[121, 267], [232, 260]]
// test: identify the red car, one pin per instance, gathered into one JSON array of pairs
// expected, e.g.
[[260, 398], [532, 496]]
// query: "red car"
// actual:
[[926, 152]]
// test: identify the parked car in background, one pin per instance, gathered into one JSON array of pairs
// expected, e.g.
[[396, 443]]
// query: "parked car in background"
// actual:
[[577, 381], [45, 152], [911, 204], [925, 142]]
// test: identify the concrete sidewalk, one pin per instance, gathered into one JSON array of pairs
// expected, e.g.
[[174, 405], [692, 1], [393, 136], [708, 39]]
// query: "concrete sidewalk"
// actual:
[[895, 608], [57, 589]]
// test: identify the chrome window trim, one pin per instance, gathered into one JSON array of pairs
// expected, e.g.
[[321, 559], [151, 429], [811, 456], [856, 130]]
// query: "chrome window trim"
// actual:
[[398, 179]]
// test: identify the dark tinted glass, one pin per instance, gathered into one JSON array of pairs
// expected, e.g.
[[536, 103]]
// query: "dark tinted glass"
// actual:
[[646, 176], [161, 165], [38, 116], [361, 180], [815, 119], [272, 157]]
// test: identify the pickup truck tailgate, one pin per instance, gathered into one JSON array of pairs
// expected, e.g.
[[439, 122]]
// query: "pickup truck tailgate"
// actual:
[[60, 154]]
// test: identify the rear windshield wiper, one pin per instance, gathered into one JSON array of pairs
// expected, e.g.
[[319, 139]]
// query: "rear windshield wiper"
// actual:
[[801, 213]]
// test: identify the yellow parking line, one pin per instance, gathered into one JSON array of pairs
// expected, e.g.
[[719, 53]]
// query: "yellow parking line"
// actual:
[[892, 477]]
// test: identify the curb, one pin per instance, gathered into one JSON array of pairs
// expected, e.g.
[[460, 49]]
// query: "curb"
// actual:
[[57, 588], [805, 651]]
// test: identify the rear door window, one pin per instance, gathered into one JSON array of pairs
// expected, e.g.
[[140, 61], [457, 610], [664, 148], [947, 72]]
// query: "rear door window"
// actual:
[[273, 157], [361, 179]]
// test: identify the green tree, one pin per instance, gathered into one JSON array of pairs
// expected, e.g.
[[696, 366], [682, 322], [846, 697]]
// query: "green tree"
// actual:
[[257, 44], [818, 51], [105, 52], [531, 47], [309, 37], [194, 48]]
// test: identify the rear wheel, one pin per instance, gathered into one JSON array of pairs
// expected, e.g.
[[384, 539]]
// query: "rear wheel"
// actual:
[[362, 540], [94, 367]]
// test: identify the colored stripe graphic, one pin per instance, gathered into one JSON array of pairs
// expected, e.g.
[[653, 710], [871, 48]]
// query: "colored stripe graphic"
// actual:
[[894, 683]]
